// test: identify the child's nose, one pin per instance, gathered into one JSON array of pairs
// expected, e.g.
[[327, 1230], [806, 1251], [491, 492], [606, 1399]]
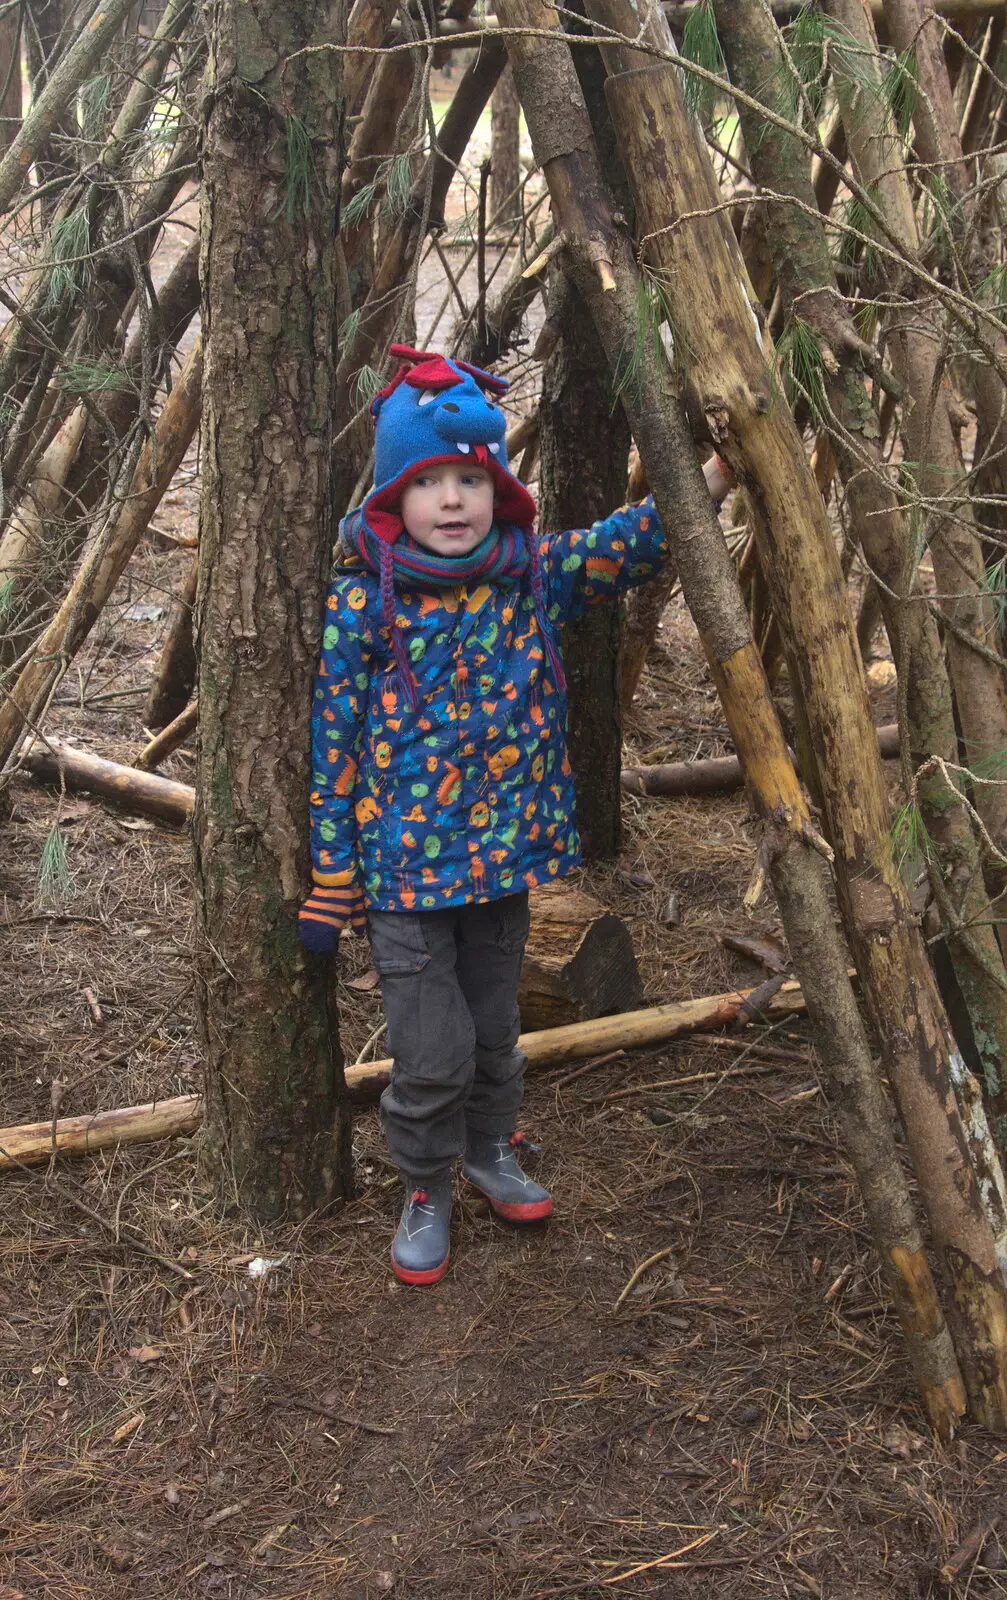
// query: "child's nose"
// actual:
[[451, 492]]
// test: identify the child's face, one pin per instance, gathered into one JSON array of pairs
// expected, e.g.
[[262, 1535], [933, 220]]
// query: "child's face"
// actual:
[[448, 509]]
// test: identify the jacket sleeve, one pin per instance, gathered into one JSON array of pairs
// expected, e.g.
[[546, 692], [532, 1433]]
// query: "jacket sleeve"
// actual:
[[337, 731], [613, 555]]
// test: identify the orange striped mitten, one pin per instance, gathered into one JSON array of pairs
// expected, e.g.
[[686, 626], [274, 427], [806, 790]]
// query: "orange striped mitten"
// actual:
[[329, 909]]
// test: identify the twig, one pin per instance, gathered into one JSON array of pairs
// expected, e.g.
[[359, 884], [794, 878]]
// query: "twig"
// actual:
[[589, 1066], [658, 1255], [694, 1077], [351, 1421], [968, 1549]]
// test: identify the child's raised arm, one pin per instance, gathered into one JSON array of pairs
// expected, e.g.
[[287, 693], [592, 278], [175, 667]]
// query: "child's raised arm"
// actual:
[[615, 554]]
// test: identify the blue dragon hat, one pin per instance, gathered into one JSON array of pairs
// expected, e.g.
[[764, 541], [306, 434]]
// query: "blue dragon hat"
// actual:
[[435, 411]]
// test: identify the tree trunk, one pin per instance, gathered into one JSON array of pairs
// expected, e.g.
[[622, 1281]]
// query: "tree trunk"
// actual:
[[584, 447], [106, 560], [505, 151], [10, 78], [732, 392], [797, 238], [176, 669], [602, 262], [277, 1133]]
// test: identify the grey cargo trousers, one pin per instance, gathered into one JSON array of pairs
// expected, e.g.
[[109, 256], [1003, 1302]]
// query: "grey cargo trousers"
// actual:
[[449, 983]]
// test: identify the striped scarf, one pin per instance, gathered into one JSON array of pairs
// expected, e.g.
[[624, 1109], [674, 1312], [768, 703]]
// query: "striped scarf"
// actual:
[[503, 556]]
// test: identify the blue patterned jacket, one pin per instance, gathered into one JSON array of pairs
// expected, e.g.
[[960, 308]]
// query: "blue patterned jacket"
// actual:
[[470, 796]]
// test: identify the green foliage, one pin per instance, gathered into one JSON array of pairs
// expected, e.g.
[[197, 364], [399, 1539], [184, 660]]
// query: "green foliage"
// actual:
[[349, 330], [802, 367], [82, 378], [995, 584], [6, 600], [55, 880], [815, 43], [366, 385], [937, 207], [398, 185], [900, 85], [69, 252], [94, 97], [298, 169], [857, 233], [701, 44], [910, 841], [359, 206], [653, 310]]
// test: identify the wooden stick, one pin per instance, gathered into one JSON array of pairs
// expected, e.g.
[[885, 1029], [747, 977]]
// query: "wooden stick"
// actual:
[[144, 792], [168, 740], [719, 774], [34, 1142], [967, 1550]]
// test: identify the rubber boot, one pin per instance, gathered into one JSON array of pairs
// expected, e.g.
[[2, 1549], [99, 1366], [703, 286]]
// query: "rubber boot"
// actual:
[[422, 1244], [491, 1164]]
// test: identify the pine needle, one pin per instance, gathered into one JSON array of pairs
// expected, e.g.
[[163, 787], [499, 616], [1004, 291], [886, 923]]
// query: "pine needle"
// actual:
[[910, 840], [69, 248], [802, 367], [366, 385], [6, 600], [359, 206], [653, 311], [399, 185], [901, 88], [995, 584], [298, 169], [55, 880], [82, 378], [701, 44]]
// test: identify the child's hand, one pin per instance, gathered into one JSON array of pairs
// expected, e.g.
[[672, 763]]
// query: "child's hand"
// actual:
[[637, 487], [326, 912]]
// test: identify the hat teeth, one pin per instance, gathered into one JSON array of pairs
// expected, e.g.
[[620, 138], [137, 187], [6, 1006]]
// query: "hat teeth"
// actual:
[[494, 449], [464, 448]]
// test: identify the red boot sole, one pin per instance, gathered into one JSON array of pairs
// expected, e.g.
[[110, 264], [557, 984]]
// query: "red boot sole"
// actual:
[[434, 1275], [514, 1211]]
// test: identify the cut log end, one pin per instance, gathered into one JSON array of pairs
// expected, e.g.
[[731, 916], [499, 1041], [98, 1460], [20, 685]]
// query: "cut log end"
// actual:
[[579, 961]]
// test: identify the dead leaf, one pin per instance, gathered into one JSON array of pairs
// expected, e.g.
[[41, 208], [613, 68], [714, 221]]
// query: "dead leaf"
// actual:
[[126, 1428], [172, 1495], [765, 948], [367, 980], [146, 1352], [881, 674], [271, 1538], [217, 1517], [384, 1581], [117, 1552], [137, 824], [903, 1442]]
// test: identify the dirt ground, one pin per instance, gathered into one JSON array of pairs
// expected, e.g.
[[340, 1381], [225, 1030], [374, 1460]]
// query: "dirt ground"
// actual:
[[688, 1383], [741, 1419]]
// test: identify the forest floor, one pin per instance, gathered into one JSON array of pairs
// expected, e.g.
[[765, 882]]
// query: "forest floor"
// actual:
[[743, 1419], [740, 1423]]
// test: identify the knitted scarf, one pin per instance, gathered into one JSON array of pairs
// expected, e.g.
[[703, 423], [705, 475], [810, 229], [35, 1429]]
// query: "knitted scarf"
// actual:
[[504, 555]]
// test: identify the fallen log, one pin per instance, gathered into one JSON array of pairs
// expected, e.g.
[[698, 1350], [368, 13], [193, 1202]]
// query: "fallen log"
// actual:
[[33, 1142], [143, 792], [579, 961], [719, 774]]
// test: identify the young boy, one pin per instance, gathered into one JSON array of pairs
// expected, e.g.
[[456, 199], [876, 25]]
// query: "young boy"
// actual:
[[442, 789]]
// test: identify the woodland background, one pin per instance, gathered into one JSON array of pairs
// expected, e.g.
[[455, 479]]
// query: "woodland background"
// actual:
[[764, 1344]]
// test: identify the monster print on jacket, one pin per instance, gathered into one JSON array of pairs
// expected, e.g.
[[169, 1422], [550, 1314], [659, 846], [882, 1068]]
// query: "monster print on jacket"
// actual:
[[468, 795]]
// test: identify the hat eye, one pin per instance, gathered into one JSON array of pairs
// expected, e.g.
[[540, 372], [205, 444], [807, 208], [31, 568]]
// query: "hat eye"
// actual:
[[449, 405], [427, 397]]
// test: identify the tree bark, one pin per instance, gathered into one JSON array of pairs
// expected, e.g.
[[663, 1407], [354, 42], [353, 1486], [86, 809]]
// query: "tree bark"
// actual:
[[176, 669], [277, 1133], [603, 264], [505, 151], [803, 264], [583, 450], [106, 561], [733, 397], [10, 78]]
